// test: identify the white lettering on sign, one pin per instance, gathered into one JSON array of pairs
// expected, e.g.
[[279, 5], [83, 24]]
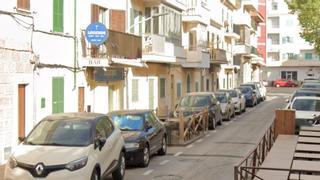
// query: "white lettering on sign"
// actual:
[[94, 62], [96, 33]]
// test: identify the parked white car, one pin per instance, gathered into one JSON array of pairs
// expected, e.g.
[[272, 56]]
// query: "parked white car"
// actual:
[[307, 109], [262, 90], [69, 146]]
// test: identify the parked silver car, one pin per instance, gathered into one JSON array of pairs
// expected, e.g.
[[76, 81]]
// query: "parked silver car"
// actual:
[[238, 100], [227, 106]]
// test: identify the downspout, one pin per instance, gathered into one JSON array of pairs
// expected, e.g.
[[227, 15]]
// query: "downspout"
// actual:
[[127, 69], [74, 45]]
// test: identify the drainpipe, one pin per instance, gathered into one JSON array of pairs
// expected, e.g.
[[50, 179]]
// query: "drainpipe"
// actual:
[[74, 45]]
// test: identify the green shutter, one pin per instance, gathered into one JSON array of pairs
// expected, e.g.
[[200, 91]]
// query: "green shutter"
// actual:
[[197, 86], [151, 93], [135, 86], [162, 87], [179, 90], [57, 15], [57, 94]]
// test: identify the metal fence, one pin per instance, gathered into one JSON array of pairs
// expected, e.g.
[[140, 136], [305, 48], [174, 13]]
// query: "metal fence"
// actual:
[[248, 167]]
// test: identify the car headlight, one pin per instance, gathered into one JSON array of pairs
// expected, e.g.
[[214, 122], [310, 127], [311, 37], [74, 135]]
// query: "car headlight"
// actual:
[[12, 162], [131, 145], [77, 164]]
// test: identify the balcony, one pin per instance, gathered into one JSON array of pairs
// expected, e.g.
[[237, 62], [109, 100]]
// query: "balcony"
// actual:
[[250, 5], [256, 16], [218, 56], [157, 49], [231, 34], [197, 57], [180, 4], [118, 46], [197, 13], [231, 4]]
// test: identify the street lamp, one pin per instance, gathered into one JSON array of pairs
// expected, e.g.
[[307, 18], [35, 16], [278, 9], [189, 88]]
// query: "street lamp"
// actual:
[[147, 19]]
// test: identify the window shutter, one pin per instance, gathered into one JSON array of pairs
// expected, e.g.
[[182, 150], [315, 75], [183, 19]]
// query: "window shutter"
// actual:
[[117, 20], [58, 15], [94, 13], [162, 87], [23, 4], [135, 86]]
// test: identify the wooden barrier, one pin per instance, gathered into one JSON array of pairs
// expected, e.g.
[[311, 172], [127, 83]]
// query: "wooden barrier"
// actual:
[[184, 130], [284, 122]]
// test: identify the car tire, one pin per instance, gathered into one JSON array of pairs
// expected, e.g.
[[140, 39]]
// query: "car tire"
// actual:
[[220, 120], [213, 123], [118, 174], [244, 109], [95, 175], [145, 157], [277, 85], [163, 150]]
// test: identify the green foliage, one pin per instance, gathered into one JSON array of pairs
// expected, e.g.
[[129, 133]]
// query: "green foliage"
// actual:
[[308, 12]]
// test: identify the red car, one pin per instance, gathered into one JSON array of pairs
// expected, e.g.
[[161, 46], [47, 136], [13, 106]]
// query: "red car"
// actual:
[[284, 83]]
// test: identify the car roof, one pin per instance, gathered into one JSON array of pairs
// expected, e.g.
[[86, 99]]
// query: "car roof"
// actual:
[[199, 93], [311, 83], [221, 92], [307, 90], [245, 87], [226, 90], [307, 97], [74, 116], [130, 111]]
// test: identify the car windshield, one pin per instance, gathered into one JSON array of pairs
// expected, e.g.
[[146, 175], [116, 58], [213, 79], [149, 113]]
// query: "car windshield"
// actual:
[[195, 101], [251, 85], [314, 94], [128, 122], [311, 86], [233, 93], [245, 90], [61, 133], [306, 105], [222, 98]]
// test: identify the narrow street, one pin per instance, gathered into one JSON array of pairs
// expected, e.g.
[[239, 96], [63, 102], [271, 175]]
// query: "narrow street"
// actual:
[[214, 156]]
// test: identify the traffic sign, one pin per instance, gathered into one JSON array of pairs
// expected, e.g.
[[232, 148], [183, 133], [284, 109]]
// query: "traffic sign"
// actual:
[[96, 33]]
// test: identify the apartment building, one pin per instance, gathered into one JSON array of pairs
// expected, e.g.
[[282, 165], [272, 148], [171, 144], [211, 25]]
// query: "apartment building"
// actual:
[[288, 55]]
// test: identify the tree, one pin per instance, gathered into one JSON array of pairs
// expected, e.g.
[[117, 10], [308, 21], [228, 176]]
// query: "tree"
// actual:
[[308, 12]]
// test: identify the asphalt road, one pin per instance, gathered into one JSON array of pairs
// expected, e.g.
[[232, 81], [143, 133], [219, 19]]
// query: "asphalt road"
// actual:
[[214, 156]]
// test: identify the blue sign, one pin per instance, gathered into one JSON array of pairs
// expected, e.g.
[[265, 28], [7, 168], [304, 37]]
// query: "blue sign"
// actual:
[[96, 33]]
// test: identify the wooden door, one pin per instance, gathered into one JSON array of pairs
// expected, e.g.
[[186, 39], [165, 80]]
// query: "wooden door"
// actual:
[[81, 99], [21, 110]]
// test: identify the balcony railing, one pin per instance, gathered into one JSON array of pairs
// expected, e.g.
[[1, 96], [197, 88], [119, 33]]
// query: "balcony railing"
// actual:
[[218, 56], [120, 45], [244, 32]]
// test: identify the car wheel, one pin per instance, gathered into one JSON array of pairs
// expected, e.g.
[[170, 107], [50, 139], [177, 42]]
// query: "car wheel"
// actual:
[[277, 85], [118, 174], [163, 149], [244, 109], [145, 157], [220, 120], [95, 175], [212, 125]]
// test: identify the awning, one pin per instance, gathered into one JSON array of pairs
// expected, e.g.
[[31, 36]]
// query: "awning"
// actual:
[[130, 62]]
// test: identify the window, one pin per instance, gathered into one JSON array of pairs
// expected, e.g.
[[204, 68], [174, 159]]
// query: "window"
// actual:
[[104, 128], [274, 6], [290, 75], [135, 18], [162, 87], [197, 86], [308, 56], [179, 89], [207, 85], [57, 15], [23, 4], [170, 25], [274, 38], [287, 40], [275, 23], [274, 56], [192, 40], [135, 91], [188, 83]]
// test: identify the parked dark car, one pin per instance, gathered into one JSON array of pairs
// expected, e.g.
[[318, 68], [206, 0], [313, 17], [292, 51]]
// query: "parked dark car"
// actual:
[[255, 88], [284, 83], [250, 95], [196, 102], [143, 133], [311, 85], [302, 92]]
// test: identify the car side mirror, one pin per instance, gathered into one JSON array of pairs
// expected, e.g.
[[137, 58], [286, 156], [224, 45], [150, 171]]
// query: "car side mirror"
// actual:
[[148, 126], [99, 143]]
